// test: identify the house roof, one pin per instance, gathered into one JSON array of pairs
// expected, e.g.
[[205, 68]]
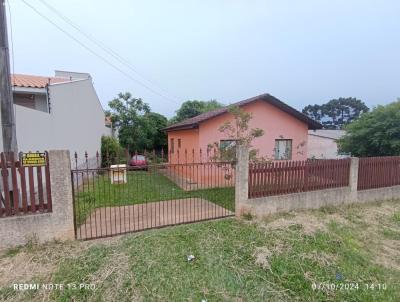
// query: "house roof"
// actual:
[[33, 81], [194, 122], [326, 133]]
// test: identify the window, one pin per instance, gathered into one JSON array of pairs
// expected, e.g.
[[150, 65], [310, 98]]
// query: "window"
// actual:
[[227, 149], [32, 101], [179, 143], [171, 147], [283, 149], [227, 144], [26, 100]]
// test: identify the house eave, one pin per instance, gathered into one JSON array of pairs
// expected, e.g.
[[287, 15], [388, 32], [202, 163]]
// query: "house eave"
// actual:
[[34, 90], [186, 127]]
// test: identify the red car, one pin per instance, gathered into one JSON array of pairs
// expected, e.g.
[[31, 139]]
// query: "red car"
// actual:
[[138, 161]]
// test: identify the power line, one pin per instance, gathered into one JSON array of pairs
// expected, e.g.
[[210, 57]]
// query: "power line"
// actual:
[[96, 54], [104, 47]]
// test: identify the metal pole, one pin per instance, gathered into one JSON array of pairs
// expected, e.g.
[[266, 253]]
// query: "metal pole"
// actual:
[[6, 97]]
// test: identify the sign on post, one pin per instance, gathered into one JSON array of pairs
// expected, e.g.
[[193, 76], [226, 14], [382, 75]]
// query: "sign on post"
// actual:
[[33, 159]]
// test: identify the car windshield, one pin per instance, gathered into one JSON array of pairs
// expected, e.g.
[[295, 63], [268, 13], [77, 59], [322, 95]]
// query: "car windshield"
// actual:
[[138, 157]]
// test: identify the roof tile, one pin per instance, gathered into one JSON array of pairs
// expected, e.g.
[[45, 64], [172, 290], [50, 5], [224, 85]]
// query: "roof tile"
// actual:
[[194, 121], [32, 81]]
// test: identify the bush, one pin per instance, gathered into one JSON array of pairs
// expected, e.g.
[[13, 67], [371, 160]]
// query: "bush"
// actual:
[[375, 133], [111, 151]]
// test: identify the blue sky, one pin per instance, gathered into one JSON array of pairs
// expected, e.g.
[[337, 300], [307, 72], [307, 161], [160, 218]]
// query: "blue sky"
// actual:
[[303, 52]]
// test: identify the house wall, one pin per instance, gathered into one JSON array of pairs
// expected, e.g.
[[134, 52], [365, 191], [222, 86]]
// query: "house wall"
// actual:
[[322, 148], [76, 121], [189, 141], [276, 124]]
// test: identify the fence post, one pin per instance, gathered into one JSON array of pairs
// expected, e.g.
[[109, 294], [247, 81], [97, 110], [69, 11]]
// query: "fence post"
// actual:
[[241, 178], [353, 178]]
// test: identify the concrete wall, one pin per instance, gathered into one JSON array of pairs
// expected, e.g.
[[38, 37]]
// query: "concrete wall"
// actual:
[[189, 141], [43, 227], [264, 206], [75, 122], [322, 148]]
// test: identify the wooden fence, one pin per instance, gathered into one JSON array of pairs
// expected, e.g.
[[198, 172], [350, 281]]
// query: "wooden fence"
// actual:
[[24, 190], [276, 178], [378, 172]]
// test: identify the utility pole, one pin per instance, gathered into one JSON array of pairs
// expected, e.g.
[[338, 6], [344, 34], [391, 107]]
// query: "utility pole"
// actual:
[[6, 98]]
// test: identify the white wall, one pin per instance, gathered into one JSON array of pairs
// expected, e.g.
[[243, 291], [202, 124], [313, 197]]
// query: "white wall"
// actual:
[[75, 123], [322, 148]]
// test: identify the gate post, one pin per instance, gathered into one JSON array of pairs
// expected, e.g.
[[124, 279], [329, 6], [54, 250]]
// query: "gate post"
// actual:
[[353, 178], [241, 178], [61, 193]]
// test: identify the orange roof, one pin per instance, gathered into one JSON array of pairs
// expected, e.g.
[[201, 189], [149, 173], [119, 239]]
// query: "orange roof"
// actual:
[[194, 122], [32, 81]]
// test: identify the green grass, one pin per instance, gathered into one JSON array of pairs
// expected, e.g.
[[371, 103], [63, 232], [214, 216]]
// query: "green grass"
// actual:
[[152, 265], [141, 187]]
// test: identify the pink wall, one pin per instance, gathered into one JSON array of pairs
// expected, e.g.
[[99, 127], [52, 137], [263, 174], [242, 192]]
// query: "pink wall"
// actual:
[[189, 142], [276, 124]]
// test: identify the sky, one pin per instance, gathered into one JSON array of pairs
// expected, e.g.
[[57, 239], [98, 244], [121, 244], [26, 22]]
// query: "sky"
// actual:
[[302, 52]]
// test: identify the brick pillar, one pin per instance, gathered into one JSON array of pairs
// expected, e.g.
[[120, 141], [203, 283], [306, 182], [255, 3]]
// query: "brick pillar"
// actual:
[[241, 178], [353, 178]]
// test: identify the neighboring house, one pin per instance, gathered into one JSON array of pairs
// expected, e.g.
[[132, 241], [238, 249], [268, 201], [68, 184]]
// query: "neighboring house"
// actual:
[[322, 144], [285, 130], [61, 112]]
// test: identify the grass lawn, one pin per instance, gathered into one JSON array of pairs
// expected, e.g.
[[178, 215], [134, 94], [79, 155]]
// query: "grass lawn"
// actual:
[[141, 187], [277, 259]]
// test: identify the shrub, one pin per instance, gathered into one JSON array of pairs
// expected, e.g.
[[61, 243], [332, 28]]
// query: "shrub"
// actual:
[[110, 151]]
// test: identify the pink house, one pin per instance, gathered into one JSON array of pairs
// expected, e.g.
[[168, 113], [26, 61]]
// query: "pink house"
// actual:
[[285, 131]]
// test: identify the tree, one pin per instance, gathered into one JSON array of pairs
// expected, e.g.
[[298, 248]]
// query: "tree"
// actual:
[[110, 151], [192, 108], [153, 123], [376, 133], [337, 112], [138, 127], [238, 132]]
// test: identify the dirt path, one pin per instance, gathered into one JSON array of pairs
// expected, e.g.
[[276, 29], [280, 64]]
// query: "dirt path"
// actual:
[[108, 221]]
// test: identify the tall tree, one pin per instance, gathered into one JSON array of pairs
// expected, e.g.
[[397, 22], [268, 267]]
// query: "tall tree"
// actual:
[[337, 112], [154, 123], [192, 108], [376, 133], [138, 127]]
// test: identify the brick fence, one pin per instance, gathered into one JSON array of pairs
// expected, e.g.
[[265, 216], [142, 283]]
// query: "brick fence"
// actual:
[[41, 227], [346, 192]]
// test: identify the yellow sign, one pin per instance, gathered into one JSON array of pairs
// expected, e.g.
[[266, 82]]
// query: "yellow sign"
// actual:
[[33, 159]]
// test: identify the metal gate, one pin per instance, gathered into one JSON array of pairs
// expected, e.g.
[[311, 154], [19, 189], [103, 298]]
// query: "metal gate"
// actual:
[[123, 198]]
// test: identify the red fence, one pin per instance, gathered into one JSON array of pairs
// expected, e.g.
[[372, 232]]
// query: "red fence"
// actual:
[[24, 190], [275, 178], [378, 172]]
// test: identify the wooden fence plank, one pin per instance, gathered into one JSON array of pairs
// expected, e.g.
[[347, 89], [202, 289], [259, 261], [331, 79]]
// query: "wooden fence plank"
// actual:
[[15, 194], [48, 184], [32, 198], [4, 174], [21, 171], [40, 188]]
